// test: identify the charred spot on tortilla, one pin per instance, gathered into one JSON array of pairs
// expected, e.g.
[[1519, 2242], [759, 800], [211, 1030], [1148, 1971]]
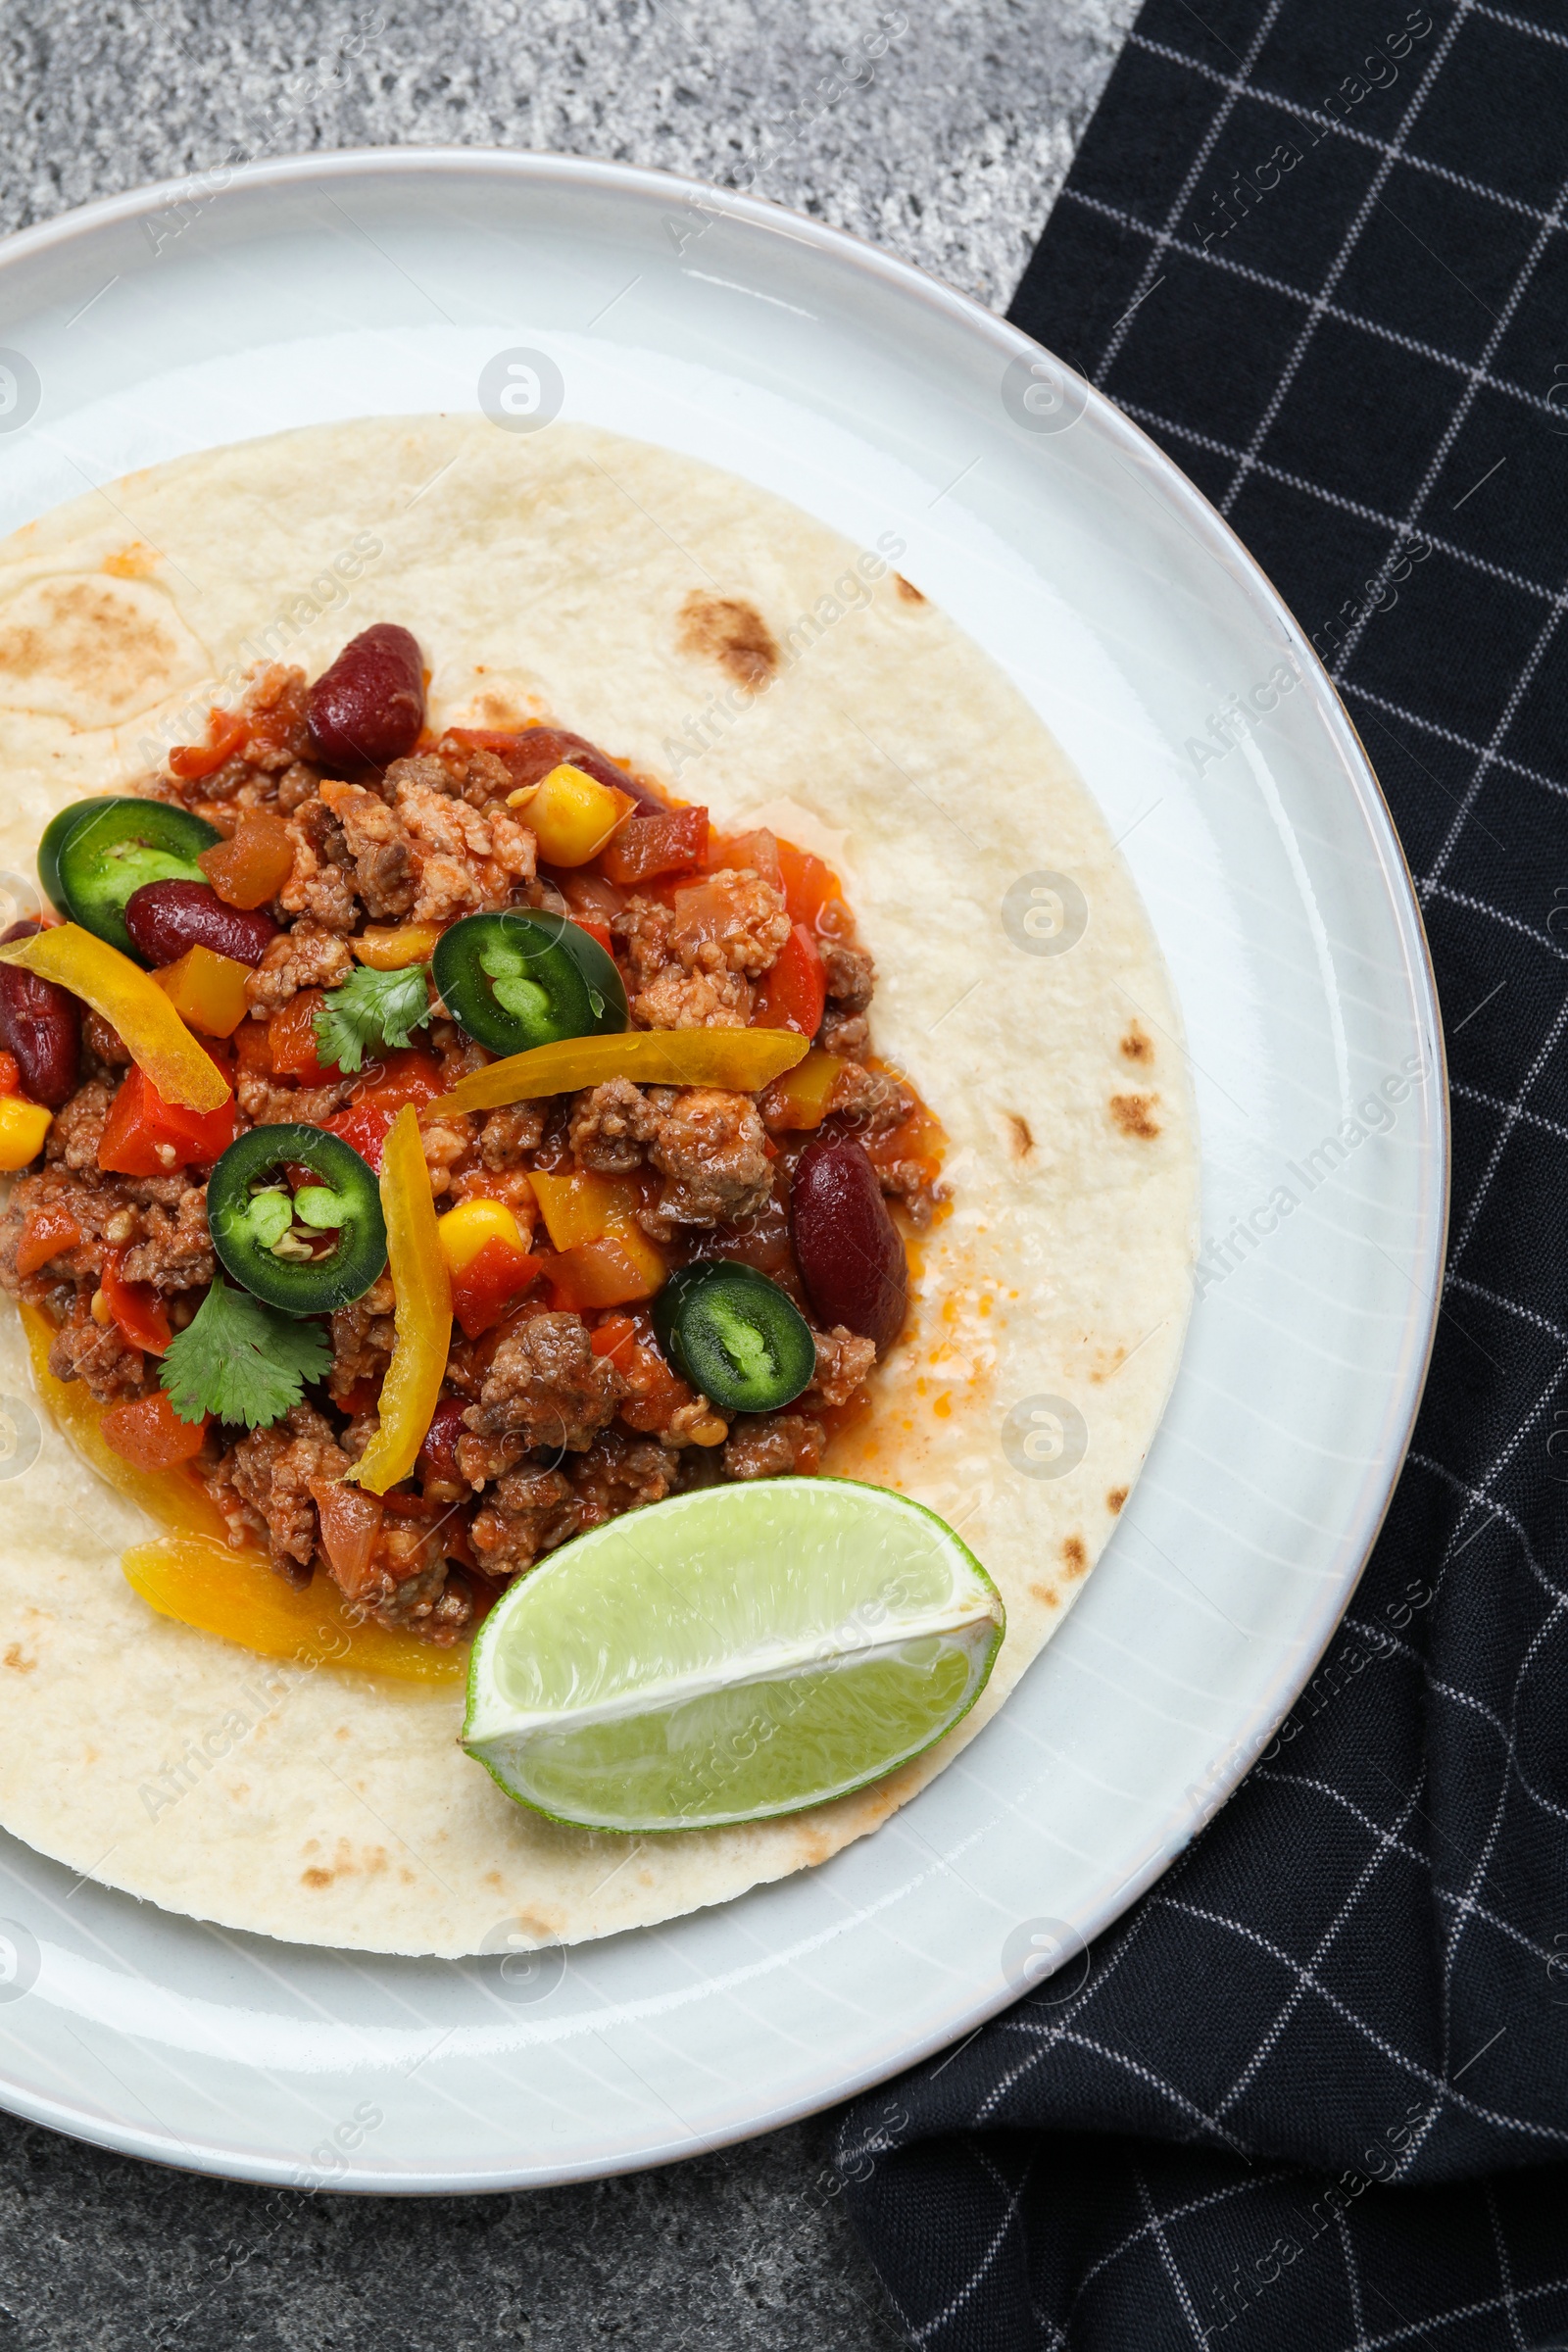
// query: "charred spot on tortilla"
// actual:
[[92, 648], [908, 590], [1075, 1553], [1115, 1499], [316, 1877], [1133, 1115], [1020, 1139], [17, 1660], [1045, 1595], [731, 632], [1135, 1045]]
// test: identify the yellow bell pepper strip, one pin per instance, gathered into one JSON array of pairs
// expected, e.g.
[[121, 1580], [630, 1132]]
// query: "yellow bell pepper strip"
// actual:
[[207, 991], [132, 1002], [393, 951], [238, 1597], [742, 1059], [570, 813], [800, 1099], [22, 1128], [423, 1289]]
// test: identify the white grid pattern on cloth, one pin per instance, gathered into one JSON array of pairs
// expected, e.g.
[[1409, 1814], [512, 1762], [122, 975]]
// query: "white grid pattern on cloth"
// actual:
[[1464, 1903]]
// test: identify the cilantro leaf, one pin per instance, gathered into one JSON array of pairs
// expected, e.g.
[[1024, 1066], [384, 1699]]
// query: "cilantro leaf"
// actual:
[[374, 1009], [241, 1359]]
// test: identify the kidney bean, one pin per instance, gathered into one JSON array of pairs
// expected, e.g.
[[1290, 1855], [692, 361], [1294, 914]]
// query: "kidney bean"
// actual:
[[531, 753], [165, 919], [846, 1247], [368, 709], [41, 1028]]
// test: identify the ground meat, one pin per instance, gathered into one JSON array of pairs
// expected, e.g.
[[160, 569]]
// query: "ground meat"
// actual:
[[295, 786], [845, 1033], [544, 1382], [103, 1043], [79, 1127], [678, 1000], [321, 882], [306, 956], [619, 1473], [482, 1460], [692, 964], [175, 1250], [731, 921], [842, 1363], [712, 1149], [610, 1125], [383, 861], [774, 1445], [873, 1102], [278, 704], [362, 1340], [445, 1140], [530, 1511], [406, 1584], [271, 1470], [266, 1102], [97, 1355], [508, 1133], [460, 859], [850, 973], [479, 777], [103, 1218], [910, 1181]]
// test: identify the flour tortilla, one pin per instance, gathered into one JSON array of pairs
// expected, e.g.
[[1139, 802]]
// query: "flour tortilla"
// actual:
[[610, 587]]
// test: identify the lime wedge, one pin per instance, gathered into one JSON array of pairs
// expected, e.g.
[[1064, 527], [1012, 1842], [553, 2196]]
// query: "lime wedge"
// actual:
[[729, 1655]]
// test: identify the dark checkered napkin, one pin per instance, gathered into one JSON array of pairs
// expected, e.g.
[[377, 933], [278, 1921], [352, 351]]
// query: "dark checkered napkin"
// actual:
[[1313, 2091]]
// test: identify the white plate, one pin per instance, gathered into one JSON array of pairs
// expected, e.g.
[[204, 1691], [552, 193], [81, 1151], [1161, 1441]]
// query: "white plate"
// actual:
[[1070, 547]]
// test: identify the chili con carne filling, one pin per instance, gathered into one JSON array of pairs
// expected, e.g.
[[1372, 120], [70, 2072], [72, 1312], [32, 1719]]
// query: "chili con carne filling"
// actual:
[[379, 937]]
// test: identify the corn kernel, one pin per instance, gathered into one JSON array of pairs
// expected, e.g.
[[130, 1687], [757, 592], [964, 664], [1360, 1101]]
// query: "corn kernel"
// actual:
[[393, 951], [572, 815], [22, 1128], [464, 1231]]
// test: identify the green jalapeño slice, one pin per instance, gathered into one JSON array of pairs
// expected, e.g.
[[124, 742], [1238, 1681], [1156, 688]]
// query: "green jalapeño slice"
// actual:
[[736, 1336], [306, 1248], [516, 980], [93, 857]]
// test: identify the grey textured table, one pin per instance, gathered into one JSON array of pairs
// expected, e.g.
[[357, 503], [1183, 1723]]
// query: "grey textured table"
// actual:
[[952, 158]]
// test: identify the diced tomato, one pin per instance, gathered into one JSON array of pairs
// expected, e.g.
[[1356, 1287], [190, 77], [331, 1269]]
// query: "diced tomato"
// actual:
[[145, 1136], [291, 1039], [492, 1279], [811, 890], [364, 1392], [226, 733], [793, 994], [252, 1047], [10, 1075], [254, 865], [46, 1233], [364, 1130], [137, 1308], [405, 1076], [150, 1435], [598, 931], [657, 1392], [615, 1335], [645, 845]]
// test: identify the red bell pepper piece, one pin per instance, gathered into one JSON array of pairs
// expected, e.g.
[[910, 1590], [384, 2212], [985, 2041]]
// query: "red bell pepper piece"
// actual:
[[291, 1039], [10, 1075], [598, 931], [149, 1434], [137, 1308], [645, 845], [795, 990], [225, 734], [145, 1136], [492, 1279]]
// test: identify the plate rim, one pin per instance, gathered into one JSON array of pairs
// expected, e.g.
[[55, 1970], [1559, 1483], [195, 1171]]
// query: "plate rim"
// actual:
[[542, 167]]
